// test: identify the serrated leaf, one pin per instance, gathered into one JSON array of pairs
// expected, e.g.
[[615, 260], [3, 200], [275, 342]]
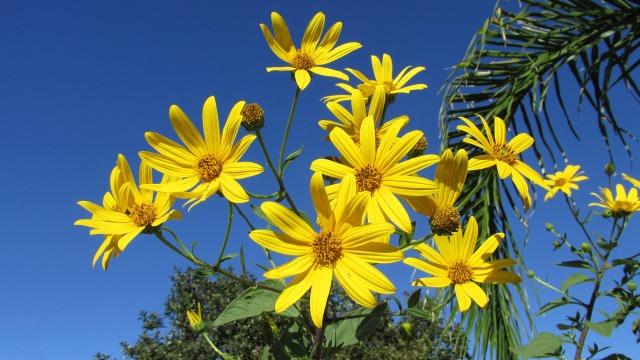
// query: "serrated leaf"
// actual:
[[604, 328], [419, 313], [575, 279], [353, 330], [543, 345], [575, 264], [253, 302]]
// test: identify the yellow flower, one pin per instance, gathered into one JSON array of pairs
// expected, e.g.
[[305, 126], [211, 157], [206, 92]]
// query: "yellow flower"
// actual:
[[455, 263], [635, 182], [342, 247], [451, 172], [564, 181], [623, 204], [378, 170], [195, 318], [505, 156], [127, 211], [312, 54], [351, 122], [204, 166], [383, 76]]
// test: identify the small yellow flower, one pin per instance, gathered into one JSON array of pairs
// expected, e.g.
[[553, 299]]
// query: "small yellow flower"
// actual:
[[195, 319], [623, 204], [383, 76], [635, 182], [451, 172], [564, 181], [378, 171], [351, 121], [504, 155], [127, 211], [342, 247], [455, 263], [313, 52], [206, 165]]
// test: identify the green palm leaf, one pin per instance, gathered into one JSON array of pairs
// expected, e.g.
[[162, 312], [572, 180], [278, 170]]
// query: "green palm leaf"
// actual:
[[512, 70]]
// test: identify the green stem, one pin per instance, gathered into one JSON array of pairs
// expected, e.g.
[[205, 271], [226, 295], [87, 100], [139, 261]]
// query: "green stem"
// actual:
[[246, 219], [218, 351], [596, 286], [276, 173], [168, 243], [286, 131], [227, 232]]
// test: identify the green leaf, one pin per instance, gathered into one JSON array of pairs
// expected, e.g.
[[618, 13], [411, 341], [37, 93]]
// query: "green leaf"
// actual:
[[414, 299], [352, 330], [575, 264], [253, 302], [575, 279], [419, 313], [604, 328], [551, 305], [294, 155], [543, 345]]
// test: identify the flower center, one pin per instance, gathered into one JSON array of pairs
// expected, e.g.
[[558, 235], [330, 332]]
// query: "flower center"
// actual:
[[209, 168], [143, 214], [368, 178], [445, 220], [327, 249], [560, 182], [302, 61], [460, 272], [389, 86], [419, 148], [504, 153], [252, 116]]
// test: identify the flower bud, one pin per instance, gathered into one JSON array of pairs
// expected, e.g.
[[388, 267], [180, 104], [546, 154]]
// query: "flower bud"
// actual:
[[407, 328], [531, 274], [419, 148], [557, 244], [632, 286], [585, 246], [609, 169], [252, 117], [548, 226], [195, 319], [606, 214]]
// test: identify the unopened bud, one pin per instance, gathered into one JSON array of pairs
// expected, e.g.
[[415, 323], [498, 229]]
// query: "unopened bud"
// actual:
[[407, 327], [606, 214], [548, 226], [252, 117], [586, 247], [531, 274], [556, 244], [419, 148], [632, 286], [609, 169]]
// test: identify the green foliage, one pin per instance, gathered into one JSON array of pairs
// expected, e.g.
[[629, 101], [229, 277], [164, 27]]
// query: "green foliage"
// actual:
[[543, 345], [351, 333]]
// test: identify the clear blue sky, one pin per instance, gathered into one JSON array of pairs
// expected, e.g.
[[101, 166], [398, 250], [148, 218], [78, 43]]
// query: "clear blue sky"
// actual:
[[82, 81]]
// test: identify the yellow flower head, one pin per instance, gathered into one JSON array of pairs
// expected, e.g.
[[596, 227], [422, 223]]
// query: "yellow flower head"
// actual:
[[451, 172], [195, 318], [564, 181], [383, 76], [378, 170], [504, 155], [126, 210], [351, 122], [623, 204], [635, 182], [204, 165], [455, 263], [312, 54], [341, 247]]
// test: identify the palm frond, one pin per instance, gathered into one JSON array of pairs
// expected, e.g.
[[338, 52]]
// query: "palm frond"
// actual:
[[511, 68]]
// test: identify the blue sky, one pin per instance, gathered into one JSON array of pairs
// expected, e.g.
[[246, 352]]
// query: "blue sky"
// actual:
[[82, 82]]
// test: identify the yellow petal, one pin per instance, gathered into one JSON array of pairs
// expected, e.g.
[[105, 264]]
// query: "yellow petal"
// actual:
[[464, 302], [331, 168], [375, 252], [435, 282], [431, 269], [324, 71], [283, 37], [302, 78], [476, 293], [294, 291], [347, 148], [393, 209], [312, 33], [211, 125], [367, 142], [320, 200], [520, 143], [232, 190], [186, 131], [361, 235], [279, 243], [353, 285], [413, 165], [231, 128], [320, 288], [487, 248], [409, 185], [287, 221], [372, 277], [294, 267], [242, 169]]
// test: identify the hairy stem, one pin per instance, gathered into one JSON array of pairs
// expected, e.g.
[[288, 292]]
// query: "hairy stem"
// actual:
[[283, 146], [276, 173]]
